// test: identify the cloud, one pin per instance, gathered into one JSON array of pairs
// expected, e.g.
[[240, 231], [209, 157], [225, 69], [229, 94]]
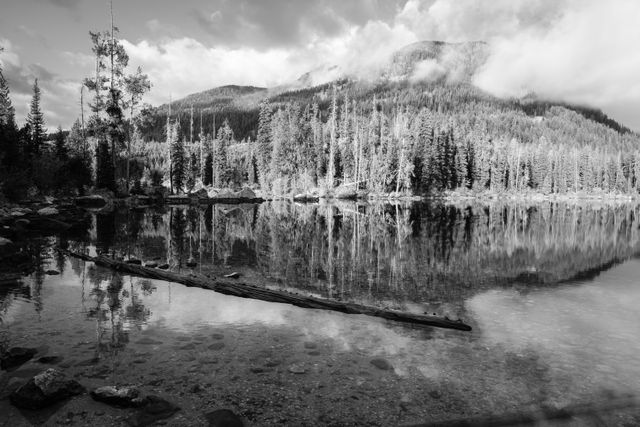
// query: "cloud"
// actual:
[[428, 70], [67, 4], [35, 35], [283, 23], [587, 56], [178, 67], [58, 94], [578, 51]]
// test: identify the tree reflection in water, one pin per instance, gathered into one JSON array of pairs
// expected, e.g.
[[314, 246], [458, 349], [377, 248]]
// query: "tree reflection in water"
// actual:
[[391, 255]]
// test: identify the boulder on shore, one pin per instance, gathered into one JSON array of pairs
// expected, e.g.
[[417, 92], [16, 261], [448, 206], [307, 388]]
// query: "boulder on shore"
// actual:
[[246, 193], [200, 194], [45, 389], [49, 211]]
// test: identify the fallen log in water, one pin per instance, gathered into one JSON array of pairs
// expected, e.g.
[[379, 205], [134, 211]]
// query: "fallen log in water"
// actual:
[[256, 292]]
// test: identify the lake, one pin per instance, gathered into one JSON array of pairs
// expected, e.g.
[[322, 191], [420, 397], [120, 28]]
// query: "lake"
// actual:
[[551, 291]]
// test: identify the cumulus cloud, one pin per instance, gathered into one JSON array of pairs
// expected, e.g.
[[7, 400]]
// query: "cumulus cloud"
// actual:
[[58, 94], [279, 23], [580, 51], [588, 55], [178, 67]]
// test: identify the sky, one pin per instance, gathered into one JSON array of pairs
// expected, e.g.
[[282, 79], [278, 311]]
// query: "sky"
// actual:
[[578, 51]]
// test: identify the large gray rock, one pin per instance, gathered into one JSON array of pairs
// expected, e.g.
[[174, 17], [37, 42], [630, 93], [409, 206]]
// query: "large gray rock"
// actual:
[[45, 389], [246, 193], [124, 396], [5, 241], [200, 194], [49, 211]]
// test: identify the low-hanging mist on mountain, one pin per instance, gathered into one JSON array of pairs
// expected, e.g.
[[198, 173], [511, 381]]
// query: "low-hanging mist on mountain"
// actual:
[[431, 63]]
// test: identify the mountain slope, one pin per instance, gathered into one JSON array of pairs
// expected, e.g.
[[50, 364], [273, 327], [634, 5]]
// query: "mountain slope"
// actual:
[[432, 74]]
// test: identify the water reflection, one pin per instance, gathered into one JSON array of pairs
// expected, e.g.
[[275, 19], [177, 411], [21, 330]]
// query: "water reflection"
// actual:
[[554, 315], [589, 329], [381, 254]]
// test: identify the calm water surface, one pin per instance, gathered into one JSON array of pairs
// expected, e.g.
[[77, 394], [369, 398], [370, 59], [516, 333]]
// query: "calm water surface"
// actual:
[[551, 291]]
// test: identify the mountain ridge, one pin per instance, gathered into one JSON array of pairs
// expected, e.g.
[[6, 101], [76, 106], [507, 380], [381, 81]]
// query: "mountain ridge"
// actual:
[[423, 62]]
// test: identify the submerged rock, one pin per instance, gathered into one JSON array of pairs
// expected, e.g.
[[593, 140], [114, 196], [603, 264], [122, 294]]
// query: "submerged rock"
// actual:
[[124, 396], [135, 261], [22, 223], [16, 356], [382, 364], [233, 275], [153, 409], [50, 360], [223, 418], [297, 369], [216, 346], [5, 241], [163, 266], [151, 264], [191, 263], [52, 272], [45, 389]]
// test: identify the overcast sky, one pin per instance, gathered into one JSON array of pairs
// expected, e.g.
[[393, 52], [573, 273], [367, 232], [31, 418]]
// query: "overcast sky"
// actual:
[[581, 51]]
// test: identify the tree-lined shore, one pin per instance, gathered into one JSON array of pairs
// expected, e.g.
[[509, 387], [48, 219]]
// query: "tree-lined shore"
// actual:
[[345, 139]]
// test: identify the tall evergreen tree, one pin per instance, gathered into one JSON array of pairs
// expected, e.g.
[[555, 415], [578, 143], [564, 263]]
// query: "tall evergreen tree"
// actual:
[[10, 156], [35, 119], [60, 144], [178, 159], [264, 142], [7, 112], [192, 172]]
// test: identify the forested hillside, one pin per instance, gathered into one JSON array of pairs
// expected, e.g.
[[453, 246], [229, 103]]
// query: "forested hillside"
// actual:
[[420, 127], [413, 138]]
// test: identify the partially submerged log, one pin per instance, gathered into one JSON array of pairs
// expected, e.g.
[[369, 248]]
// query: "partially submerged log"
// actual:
[[243, 290]]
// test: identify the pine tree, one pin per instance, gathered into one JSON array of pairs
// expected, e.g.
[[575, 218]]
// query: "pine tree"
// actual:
[[104, 166], [10, 156], [35, 119], [208, 170], [264, 143], [178, 159], [333, 118], [60, 144], [192, 172], [7, 112]]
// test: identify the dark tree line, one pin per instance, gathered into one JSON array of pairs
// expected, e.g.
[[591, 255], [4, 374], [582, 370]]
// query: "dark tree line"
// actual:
[[31, 161]]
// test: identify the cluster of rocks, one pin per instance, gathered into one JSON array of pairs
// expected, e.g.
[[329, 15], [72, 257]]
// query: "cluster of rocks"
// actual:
[[52, 386], [246, 195]]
